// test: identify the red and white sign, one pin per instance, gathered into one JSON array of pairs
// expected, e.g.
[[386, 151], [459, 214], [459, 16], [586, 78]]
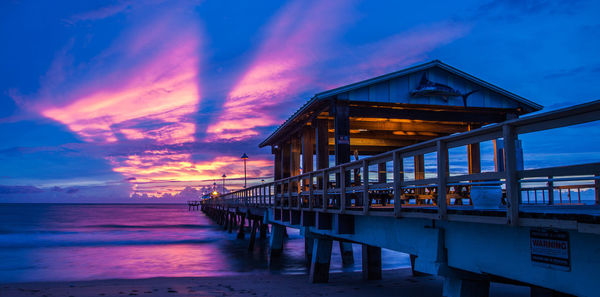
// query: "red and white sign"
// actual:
[[550, 248]]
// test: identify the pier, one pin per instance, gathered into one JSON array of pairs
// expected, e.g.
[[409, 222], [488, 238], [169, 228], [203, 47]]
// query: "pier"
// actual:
[[510, 224]]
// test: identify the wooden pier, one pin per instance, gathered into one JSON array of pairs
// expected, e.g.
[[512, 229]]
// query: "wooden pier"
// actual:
[[536, 231]]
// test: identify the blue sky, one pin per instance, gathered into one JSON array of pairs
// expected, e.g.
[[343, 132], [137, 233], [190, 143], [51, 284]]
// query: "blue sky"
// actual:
[[102, 99]]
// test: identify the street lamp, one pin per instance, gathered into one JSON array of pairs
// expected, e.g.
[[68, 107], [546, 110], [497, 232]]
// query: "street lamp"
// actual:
[[224, 176], [215, 193], [244, 157]]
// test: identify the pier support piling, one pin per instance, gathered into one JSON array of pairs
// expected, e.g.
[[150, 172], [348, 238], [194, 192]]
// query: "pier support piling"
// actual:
[[241, 232], [253, 234], [276, 243], [321, 258], [413, 258], [371, 262], [347, 253], [264, 229], [308, 247]]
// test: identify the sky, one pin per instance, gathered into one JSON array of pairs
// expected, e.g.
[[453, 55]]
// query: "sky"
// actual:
[[119, 101]]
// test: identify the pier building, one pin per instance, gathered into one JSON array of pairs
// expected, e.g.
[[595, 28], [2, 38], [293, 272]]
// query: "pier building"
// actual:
[[369, 163]]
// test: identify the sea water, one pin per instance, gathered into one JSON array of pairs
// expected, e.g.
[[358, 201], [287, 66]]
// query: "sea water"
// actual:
[[69, 242]]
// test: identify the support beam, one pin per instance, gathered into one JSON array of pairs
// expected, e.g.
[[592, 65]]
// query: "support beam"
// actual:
[[253, 234], [413, 258], [377, 142], [381, 173], [322, 147], [276, 242], [241, 231], [285, 160], [426, 115], [457, 287], [322, 144], [321, 258], [406, 126], [371, 262], [419, 161], [277, 164], [474, 154], [308, 142], [264, 229], [295, 148], [419, 164], [308, 246], [512, 182], [231, 222], [347, 253], [226, 225], [342, 131], [442, 172]]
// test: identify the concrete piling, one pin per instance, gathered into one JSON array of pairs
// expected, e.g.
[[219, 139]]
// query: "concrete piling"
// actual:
[[371, 262], [321, 259], [347, 253]]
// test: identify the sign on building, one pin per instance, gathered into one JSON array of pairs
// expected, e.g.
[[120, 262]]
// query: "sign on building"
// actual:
[[550, 248]]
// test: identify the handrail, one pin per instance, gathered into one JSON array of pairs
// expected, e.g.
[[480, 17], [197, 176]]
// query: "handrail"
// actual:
[[290, 192]]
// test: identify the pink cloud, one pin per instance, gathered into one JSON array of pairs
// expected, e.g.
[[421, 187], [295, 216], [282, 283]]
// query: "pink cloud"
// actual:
[[163, 87], [296, 41]]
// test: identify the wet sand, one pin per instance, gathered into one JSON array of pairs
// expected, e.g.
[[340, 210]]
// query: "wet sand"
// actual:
[[395, 283]]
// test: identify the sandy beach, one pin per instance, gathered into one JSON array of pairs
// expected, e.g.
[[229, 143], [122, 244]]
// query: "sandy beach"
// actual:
[[395, 283]]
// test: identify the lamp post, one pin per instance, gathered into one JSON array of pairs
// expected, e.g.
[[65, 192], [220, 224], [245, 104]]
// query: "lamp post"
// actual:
[[224, 176], [244, 157]]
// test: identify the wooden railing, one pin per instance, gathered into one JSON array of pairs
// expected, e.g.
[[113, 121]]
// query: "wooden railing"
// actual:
[[351, 188]]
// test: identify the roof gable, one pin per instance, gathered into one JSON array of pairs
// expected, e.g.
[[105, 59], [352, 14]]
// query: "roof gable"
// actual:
[[396, 87]]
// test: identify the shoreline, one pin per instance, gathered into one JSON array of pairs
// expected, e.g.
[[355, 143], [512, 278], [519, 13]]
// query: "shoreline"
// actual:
[[397, 282]]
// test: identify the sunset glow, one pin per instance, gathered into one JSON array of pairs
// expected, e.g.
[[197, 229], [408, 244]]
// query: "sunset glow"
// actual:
[[153, 97]]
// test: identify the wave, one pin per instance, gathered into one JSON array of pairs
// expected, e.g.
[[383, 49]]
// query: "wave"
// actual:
[[23, 231], [39, 244], [176, 226]]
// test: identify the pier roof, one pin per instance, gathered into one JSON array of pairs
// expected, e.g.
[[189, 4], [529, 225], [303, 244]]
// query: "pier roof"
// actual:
[[432, 92]]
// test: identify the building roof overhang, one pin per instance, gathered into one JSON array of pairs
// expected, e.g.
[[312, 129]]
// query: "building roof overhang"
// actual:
[[320, 101]]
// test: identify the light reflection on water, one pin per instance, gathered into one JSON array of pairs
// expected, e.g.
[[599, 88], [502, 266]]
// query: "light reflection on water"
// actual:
[[46, 242]]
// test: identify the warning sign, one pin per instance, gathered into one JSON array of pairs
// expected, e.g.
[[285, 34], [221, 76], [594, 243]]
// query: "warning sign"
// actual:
[[550, 248]]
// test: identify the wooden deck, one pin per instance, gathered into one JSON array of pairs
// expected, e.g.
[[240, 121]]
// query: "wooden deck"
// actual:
[[350, 186]]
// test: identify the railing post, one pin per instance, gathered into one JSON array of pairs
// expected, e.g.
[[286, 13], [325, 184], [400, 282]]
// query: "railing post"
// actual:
[[269, 194], [365, 196], [299, 191], [310, 191], [597, 188], [512, 182], [550, 190], [398, 179], [325, 187], [342, 189], [442, 160], [289, 196]]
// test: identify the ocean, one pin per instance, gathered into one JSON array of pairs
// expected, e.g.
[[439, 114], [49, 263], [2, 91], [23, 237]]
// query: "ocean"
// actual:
[[70, 242]]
